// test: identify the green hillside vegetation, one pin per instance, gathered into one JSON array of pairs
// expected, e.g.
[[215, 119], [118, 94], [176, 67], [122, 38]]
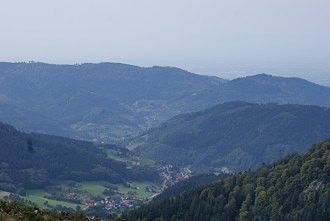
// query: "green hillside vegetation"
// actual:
[[13, 211], [109, 101], [295, 188], [43, 199], [34, 161], [188, 184], [236, 135]]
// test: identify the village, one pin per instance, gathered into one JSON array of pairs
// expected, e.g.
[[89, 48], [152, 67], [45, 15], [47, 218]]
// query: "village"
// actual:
[[114, 200], [169, 174]]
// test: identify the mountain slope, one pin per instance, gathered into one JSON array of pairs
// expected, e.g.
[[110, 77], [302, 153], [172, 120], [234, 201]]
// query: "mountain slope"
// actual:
[[237, 135], [263, 87], [109, 101], [36, 160], [104, 101], [13, 211], [295, 188]]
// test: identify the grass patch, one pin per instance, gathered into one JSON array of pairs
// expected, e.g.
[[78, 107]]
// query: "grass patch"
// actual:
[[113, 154], [38, 197], [141, 192], [94, 188], [87, 190], [37, 192], [131, 146]]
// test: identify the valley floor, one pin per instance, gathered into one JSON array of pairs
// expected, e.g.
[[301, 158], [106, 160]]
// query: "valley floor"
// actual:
[[99, 197]]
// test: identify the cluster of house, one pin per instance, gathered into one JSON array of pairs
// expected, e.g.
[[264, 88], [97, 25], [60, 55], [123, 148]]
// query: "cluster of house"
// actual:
[[171, 175], [114, 202], [119, 201]]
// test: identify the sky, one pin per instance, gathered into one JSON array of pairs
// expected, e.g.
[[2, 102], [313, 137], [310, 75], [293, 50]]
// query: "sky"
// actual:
[[226, 38]]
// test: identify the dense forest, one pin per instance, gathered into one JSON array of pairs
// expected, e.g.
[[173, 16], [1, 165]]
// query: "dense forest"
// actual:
[[296, 187], [236, 135], [188, 184], [36, 160]]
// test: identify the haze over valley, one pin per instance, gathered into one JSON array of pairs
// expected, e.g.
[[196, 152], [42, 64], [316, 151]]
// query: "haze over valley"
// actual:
[[109, 102], [165, 110], [163, 125]]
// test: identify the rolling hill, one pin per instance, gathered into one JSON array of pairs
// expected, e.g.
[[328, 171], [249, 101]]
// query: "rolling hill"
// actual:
[[236, 135], [109, 101]]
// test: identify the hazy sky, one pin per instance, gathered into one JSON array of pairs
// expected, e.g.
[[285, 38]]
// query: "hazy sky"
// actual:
[[227, 38]]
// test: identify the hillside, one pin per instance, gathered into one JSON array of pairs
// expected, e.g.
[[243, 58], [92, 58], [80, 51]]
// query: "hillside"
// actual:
[[29, 161], [295, 188], [109, 101], [189, 184], [267, 88], [236, 135], [106, 101], [13, 211]]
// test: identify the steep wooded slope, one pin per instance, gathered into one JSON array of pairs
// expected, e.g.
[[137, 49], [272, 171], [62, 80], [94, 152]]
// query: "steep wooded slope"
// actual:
[[237, 135], [36, 160], [295, 188]]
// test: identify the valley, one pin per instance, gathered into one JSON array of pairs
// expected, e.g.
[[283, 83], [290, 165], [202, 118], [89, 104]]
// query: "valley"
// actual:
[[165, 110], [95, 197], [98, 198], [181, 133], [98, 179]]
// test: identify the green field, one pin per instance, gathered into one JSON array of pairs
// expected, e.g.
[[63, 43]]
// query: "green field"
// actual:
[[94, 188], [87, 190], [116, 155], [141, 192], [113, 154], [38, 197]]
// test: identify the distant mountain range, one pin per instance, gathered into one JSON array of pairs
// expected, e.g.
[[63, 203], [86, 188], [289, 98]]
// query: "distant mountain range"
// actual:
[[295, 188], [236, 135], [104, 101], [109, 101]]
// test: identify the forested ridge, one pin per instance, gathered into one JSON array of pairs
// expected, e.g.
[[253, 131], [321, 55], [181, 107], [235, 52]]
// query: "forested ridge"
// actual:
[[296, 187], [236, 135], [30, 160], [191, 183]]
